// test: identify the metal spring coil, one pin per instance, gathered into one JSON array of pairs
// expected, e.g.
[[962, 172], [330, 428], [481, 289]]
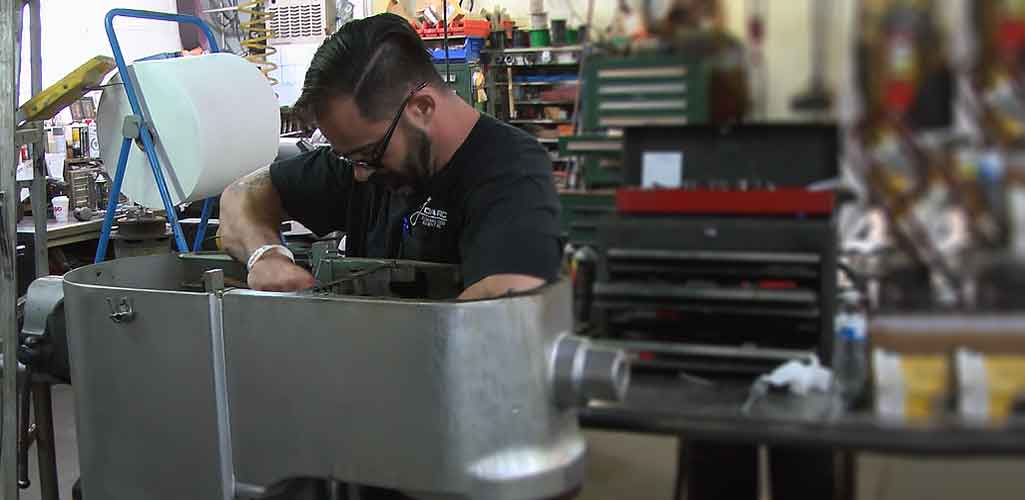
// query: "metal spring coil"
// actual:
[[258, 34]]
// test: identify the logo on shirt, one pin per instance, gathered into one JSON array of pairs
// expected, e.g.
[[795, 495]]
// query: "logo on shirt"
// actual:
[[429, 217]]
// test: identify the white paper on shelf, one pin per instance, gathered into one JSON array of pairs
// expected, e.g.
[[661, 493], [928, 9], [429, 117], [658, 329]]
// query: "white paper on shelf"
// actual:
[[214, 117], [661, 169]]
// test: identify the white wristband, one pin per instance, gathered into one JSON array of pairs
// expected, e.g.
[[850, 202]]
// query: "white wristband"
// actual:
[[260, 252]]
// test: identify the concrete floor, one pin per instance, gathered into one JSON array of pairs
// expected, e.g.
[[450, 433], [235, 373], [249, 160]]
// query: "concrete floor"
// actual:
[[903, 478], [642, 467], [634, 466]]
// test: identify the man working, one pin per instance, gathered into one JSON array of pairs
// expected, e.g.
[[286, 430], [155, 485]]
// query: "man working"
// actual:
[[446, 183]]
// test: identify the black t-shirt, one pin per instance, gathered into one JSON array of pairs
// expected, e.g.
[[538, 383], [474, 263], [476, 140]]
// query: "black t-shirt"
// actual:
[[493, 209]]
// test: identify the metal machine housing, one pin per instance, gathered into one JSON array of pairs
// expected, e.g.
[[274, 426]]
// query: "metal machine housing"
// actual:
[[225, 392]]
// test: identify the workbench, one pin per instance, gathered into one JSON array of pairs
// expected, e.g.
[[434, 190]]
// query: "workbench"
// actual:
[[713, 410], [62, 233], [811, 443], [58, 234]]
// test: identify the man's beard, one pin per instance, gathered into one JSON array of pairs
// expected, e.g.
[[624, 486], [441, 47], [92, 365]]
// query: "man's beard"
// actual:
[[415, 170]]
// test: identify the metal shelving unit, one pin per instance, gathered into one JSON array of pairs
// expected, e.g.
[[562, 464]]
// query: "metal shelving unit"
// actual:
[[438, 38], [548, 103], [539, 84], [542, 121], [11, 139], [8, 252], [518, 89], [538, 65], [524, 50]]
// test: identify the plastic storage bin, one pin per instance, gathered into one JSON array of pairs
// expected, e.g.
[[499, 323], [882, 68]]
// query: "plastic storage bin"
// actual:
[[476, 28], [468, 51]]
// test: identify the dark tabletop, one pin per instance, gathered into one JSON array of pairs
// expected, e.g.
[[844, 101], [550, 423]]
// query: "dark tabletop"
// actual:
[[718, 410]]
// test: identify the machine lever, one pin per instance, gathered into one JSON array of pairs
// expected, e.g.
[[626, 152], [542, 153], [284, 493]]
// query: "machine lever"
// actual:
[[213, 281]]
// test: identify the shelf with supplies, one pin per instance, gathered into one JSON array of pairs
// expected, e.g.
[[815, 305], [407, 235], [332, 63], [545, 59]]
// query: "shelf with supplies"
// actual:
[[537, 84], [523, 50], [546, 103], [536, 89], [441, 38], [31, 133], [538, 65], [541, 121]]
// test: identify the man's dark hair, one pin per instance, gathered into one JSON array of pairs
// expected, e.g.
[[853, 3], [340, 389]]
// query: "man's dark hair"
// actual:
[[377, 60]]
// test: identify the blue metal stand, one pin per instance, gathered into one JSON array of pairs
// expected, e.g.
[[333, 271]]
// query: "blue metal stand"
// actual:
[[144, 134]]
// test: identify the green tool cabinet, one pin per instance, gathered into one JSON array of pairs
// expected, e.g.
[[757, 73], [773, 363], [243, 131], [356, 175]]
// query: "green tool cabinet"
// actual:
[[600, 156], [635, 91], [644, 90], [460, 78], [581, 213]]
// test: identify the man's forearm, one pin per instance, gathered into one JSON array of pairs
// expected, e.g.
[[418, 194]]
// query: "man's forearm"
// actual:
[[498, 285], [251, 214]]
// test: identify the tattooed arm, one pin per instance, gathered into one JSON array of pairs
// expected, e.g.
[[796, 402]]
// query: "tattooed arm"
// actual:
[[251, 214]]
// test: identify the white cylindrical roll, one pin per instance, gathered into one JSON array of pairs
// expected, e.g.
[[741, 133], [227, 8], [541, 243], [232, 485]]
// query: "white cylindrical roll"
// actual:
[[539, 21], [215, 118]]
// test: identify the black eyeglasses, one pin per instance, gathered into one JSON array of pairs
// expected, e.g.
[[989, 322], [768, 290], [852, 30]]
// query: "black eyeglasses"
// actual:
[[377, 153]]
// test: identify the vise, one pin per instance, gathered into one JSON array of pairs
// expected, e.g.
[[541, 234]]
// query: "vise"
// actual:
[[218, 392]]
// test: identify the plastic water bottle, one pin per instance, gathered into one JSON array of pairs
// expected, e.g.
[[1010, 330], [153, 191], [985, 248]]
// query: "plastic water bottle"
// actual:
[[850, 356]]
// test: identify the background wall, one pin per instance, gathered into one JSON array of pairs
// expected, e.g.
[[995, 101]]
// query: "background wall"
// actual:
[[73, 33], [787, 40], [787, 44], [294, 59], [575, 11]]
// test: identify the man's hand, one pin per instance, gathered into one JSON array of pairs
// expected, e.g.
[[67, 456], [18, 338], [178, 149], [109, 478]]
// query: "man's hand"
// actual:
[[275, 273]]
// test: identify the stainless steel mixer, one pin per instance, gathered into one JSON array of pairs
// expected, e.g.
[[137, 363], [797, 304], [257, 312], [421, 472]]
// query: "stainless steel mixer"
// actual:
[[223, 392]]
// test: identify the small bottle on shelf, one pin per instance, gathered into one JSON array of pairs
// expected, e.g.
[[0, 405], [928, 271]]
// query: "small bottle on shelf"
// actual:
[[850, 346]]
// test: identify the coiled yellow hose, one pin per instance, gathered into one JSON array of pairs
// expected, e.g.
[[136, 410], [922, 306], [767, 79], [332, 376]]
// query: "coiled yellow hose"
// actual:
[[257, 36]]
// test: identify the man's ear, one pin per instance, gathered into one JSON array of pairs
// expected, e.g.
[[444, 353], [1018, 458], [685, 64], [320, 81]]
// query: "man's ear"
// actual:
[[423, 106]]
